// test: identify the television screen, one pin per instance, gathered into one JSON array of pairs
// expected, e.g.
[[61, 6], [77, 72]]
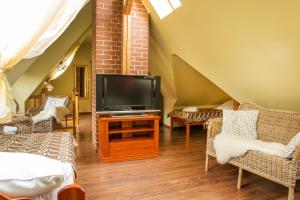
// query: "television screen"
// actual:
[[128, 91]]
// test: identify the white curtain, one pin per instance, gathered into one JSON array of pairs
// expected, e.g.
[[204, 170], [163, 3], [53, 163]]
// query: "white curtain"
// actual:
[[28, 28]]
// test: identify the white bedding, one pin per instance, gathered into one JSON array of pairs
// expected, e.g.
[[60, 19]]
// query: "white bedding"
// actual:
[[25, 174], [69, 179]]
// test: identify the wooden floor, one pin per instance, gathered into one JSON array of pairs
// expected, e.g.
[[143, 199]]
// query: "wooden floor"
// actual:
[[178, 174]]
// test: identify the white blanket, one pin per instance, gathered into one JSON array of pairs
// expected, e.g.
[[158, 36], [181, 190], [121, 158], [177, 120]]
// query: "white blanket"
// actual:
[[57, 112], [229, 146], [68, 180]]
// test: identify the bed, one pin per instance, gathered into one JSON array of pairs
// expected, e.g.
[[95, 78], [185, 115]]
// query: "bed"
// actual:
[[58, 146], [200, 117]]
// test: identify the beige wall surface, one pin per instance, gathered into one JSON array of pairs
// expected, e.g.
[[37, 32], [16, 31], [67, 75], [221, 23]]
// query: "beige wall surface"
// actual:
[[249, 49], [64, 85]]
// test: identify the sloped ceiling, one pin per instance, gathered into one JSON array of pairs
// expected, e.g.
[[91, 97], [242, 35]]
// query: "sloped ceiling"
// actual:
[[19, 69], [250, 49], [192, 88]]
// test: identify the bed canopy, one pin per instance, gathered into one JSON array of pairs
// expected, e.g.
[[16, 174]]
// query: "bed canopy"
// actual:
[[29, 33]]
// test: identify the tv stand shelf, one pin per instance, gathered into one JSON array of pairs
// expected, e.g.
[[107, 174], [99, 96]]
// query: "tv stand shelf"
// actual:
[[130, 130], [128, 138]]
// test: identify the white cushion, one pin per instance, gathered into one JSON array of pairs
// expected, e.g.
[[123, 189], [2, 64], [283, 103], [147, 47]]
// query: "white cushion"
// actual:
[[291, 146], [227, 105], [190, 109], [240, 123], [23, 174], [54, 102], [10, 129]]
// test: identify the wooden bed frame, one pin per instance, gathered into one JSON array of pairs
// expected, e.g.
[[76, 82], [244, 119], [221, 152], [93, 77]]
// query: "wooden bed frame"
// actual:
[[189, 124], [70, 192]]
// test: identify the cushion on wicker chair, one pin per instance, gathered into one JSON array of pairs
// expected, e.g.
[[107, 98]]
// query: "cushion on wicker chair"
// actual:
[[10, 129], [55, 102]]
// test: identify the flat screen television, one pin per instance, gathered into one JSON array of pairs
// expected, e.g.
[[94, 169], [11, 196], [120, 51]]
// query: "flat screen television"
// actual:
[[127, 92]]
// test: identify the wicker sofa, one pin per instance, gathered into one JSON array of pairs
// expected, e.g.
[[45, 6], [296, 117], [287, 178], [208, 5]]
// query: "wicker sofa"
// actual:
[[272, 126]]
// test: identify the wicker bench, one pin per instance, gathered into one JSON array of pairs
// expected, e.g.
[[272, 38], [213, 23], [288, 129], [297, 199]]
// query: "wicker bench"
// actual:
[[272, 126]]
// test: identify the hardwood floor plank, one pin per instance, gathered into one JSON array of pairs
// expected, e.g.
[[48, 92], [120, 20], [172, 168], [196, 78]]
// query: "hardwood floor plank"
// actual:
[[178, 174]]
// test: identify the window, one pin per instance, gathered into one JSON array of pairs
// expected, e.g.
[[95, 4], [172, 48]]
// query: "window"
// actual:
[[165, 7], [63, 65]]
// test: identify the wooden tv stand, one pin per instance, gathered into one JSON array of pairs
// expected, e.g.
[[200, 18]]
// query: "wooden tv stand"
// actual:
[[128, 138]]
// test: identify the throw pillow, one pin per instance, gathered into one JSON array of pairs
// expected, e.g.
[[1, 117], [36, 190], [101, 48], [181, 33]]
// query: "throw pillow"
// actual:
[[24, 174], [247, 123], [230, 123], [240, 123], [291, 146]]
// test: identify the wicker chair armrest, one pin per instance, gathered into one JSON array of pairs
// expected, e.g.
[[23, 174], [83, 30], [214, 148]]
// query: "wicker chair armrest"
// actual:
[[214, 127], [296, 156], [34, 110]]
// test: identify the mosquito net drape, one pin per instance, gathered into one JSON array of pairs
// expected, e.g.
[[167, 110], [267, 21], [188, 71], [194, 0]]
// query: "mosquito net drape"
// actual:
[[28, 28]]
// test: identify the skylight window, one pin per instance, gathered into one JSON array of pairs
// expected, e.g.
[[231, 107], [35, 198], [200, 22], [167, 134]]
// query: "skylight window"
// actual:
[[165, 7], [175, 3]]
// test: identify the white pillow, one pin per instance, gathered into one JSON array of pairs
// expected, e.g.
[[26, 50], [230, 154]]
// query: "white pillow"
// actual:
[[54, 102], [27, 175], [190, 109], [227, 105], [291, 146], [10, 130], [240, 123]]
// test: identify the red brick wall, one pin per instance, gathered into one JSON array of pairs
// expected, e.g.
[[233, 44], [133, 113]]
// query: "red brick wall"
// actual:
[[107, 43], [139, 38]]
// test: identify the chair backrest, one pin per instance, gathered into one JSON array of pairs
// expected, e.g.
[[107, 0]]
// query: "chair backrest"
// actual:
[[67, 102], [275, 125], [71, 192]]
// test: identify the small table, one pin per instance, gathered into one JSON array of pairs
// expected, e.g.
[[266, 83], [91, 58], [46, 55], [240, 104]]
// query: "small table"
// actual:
[[23, 123]]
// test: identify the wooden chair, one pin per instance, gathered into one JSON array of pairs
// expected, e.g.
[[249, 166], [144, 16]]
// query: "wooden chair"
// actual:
[[71, 192], [74, 115], [4, 197]]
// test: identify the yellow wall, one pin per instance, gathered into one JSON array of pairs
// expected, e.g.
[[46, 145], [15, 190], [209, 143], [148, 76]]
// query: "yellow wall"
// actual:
[[250, 49], [64, 85]]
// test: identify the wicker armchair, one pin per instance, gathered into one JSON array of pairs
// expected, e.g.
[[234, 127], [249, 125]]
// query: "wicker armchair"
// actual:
[[272, 126], [49, 125], [22, 123]]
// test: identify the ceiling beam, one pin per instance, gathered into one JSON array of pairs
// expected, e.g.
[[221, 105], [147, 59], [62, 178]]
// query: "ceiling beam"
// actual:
[[126, 37], [127, 7]]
